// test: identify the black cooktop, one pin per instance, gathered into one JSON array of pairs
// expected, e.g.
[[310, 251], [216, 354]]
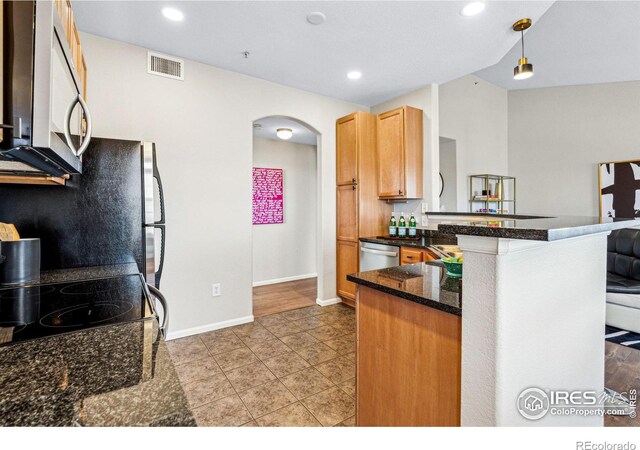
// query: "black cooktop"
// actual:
[[31, 312]]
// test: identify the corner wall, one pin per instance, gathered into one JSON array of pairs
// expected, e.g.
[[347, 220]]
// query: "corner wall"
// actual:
[[474, 113], [202, 128]]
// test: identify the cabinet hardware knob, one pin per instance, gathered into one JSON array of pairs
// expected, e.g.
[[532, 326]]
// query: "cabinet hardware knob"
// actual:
[[354, 187], [400, 191], [353, 180]]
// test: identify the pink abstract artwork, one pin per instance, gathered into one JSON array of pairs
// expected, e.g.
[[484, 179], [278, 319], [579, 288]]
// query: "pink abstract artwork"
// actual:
[[268, 196]]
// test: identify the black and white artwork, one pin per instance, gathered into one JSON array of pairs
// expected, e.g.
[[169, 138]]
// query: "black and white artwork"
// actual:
[[620, 189]]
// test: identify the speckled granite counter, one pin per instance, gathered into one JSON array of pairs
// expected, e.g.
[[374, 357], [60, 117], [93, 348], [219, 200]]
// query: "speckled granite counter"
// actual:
[[117, 375], [85, 273], [525, 227], [427, 240], [424, 283]]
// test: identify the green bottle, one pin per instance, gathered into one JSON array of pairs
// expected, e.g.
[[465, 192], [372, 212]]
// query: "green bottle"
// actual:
[[402, 226], [412, 226], [393, 227]]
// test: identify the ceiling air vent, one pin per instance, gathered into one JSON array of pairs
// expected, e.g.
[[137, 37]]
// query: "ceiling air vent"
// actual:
[[165, 66]]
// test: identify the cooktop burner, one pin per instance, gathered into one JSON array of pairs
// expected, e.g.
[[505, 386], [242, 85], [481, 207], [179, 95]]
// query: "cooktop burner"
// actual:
[[37, 311]]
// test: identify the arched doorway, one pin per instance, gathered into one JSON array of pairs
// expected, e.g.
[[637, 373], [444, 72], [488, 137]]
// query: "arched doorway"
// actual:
[[285, 238]]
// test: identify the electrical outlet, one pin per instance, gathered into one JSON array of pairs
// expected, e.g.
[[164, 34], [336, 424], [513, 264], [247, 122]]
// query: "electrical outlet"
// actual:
[[425, 208], [216, 290], [425, 221]]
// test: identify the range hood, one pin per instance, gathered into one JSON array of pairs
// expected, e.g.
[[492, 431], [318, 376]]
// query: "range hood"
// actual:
[[39, 161]]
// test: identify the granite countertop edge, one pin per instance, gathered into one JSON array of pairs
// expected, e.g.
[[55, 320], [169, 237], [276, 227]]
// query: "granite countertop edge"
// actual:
[[547, 233], [412, 243], [406, 295]]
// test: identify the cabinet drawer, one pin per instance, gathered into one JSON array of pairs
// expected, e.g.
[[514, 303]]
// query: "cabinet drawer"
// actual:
[[410, 256]]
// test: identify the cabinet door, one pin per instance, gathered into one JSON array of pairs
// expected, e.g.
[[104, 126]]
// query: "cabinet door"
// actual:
[[410, 256], [347, 213], [347, 150], [347, 262], [429, 256], [391, 176]]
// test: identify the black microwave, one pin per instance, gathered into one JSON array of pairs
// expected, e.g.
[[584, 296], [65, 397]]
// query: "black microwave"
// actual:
[[42, 130]]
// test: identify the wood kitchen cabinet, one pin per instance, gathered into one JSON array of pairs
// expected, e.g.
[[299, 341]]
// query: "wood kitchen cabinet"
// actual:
[[346, 263], [408, 363], [347, 147], [411, 255], [67, 18], [359, 212], [400, 147]]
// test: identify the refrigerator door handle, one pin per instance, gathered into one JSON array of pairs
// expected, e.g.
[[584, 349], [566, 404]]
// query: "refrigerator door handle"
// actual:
[[161, 265], [156, 176], [165, 309]]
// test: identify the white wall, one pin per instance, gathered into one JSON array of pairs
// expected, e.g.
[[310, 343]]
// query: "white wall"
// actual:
[[448, 170], [474, 113], [203, 130], [425, 99], [558, 135], [288, 249]]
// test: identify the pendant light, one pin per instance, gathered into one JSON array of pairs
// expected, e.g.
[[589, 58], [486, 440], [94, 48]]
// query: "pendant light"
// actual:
[[523, 70]]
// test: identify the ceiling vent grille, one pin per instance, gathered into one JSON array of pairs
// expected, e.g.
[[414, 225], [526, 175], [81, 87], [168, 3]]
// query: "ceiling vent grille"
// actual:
[[165, 66]]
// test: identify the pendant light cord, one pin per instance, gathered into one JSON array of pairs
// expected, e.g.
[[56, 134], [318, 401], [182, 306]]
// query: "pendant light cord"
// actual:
[[522, 41]]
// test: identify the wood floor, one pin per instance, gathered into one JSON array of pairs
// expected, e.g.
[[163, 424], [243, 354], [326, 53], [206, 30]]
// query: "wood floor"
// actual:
[[622, 373], [281, 297]]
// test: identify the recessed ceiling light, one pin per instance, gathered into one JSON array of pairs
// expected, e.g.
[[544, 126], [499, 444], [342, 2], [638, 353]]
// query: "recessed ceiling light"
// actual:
[[316, 18], [473, 8], [172, 14], [354, 75], [284, 133]]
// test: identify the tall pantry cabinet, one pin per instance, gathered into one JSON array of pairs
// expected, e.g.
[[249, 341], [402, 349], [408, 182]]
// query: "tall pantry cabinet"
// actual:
[[359, 210]]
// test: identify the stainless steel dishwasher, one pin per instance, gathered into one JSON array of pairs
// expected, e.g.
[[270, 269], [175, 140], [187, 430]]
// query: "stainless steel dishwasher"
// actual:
[[378, 256]]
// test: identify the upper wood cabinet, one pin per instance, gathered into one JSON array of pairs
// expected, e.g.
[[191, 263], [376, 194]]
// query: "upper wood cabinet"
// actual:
[[399, 148], [67, 18], [347, 150]]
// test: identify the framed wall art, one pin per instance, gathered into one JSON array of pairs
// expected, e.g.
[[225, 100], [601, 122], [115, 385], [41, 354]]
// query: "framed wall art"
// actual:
[[268, 196], [619, 184]]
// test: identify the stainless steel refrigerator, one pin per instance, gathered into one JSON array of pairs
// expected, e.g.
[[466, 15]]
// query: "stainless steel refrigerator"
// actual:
[[111, 214]]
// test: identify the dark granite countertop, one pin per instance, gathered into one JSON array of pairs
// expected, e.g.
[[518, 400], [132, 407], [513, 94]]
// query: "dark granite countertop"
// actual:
[[426, 240], [527, 227], [86, 273], [424, 283], [117, 375]]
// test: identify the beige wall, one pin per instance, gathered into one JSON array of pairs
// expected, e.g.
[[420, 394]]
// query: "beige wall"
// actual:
[[474, 113], [288, 249], [203, 130], [558, 135]]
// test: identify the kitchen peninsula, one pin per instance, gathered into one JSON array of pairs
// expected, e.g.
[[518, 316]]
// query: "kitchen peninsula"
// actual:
[[515, 331]]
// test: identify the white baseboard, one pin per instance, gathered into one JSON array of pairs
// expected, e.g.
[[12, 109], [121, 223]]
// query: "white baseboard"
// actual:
[[285, 279], [204, 328], [331, 301]]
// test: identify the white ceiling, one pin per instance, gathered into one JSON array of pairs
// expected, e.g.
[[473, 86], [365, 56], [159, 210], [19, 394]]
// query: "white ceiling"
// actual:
[[574, 43], [301, 134], [399, 46]]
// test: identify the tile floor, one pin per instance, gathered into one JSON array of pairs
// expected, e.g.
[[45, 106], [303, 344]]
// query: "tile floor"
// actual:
[[295, 368]]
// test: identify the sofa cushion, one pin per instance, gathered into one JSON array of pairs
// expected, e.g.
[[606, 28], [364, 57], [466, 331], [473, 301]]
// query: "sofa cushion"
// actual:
[[623, 261], [628, 300], [623, 285]]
